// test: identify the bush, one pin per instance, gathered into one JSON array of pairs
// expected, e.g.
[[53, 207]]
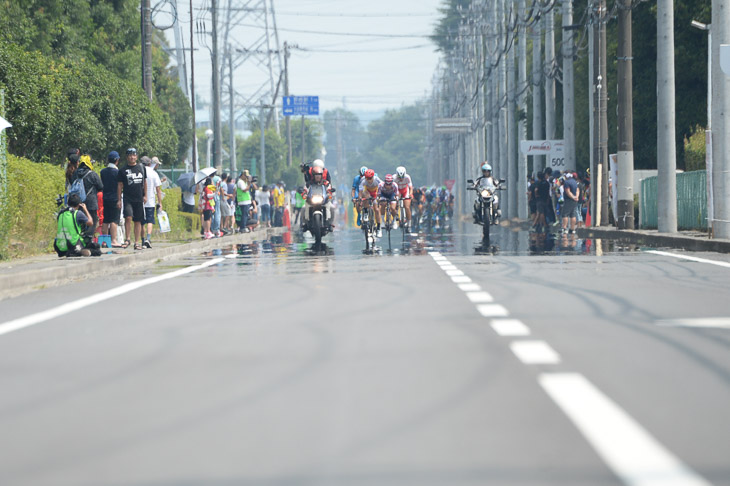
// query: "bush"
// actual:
[[56, 105], [694, 150], [31, 205]]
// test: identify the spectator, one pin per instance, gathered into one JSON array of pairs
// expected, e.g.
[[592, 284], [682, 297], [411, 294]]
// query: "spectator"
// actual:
[[243, 198], [569, 207], [188, 201], [132, 181], [299, 204], [263, 198], [544, 206], [109, 177], [154, 197], [207, 198], [217, 213], [253, 218], [224, 207], [71, 166], [74, 229], [92, 186], [279, 202]]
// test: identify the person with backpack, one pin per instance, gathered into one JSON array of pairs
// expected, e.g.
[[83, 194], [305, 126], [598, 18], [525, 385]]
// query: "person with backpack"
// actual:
[[86, 185], [74, 230]]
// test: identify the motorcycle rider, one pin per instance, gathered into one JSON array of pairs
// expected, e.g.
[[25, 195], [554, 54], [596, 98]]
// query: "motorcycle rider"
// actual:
[[405, 187], [309, 174], [356, 191], [486, 181], [369, 192], [388, 193], [318, 177]]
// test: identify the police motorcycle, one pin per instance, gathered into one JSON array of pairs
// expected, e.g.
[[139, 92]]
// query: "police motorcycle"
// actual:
[[318, 214], [486, 212]]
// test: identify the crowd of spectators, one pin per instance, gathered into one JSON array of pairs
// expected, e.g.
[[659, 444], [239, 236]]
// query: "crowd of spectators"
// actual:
[[559, 198]]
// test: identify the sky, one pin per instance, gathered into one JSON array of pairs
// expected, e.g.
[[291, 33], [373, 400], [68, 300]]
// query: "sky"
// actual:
[[391, 64]]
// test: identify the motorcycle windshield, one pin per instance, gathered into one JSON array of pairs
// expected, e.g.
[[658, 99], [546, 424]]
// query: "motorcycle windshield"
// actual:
[[317, 194]]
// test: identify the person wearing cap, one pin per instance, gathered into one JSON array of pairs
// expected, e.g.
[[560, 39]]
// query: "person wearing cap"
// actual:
[[92, 186], [569, 208], [154, 197], [132, 181], [279, 195], [109, 177]]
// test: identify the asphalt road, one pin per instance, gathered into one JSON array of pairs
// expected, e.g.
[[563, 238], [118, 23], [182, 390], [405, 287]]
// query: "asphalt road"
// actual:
[[444, 362]]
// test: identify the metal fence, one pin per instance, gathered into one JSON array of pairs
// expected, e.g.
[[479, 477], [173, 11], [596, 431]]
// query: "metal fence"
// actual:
[[4, 216], [691, 201]]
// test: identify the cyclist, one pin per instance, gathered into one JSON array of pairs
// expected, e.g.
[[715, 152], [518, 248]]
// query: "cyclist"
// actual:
[[369, 191], [356, 191], [405, 188], [388, 193]]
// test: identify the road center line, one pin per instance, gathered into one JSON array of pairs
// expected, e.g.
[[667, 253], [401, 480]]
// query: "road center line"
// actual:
[[690, 258], [454, 273], [479, 297], [448, 267], [492, 310], [535, 352], [37, 318], [510, 327], [469, 287], [461, 279], [628, 449]]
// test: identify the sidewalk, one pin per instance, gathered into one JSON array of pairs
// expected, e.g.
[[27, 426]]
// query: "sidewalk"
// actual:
[[29, 274], [685, 240]]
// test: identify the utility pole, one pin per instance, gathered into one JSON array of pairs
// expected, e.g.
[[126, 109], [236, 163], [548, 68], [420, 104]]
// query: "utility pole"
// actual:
[[522, 108], [603, 114], [231, 114], [192, 88], [568, 86], [538, 161], [720, 123], [592, 70], [262, 125], [302, 127], [217, 126], [511, 129], [666, 136], [550, 76], [624, 185], [286, 93], [503, 162], [147, 48]]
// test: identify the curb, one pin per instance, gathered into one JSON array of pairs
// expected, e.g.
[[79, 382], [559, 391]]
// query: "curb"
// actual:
[[671, 240], [13, 284]]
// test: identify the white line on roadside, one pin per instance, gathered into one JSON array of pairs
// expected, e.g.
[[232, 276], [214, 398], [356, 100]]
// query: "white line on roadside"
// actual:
[[629, 450], [510, 327], [535, 352], [690, 258], [37, 318], [479, 297], [470, 287], [231, 257], [712, 322], [492, 310]]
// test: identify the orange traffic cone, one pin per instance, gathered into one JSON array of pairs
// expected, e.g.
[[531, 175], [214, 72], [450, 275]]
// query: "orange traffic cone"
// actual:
[[286, 220]]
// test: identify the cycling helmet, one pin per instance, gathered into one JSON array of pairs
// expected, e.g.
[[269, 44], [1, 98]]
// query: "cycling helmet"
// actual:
[[363, 169], [318, 163], [486, 166], [388, 179], [369, 174], [401, 172], [317, 170]]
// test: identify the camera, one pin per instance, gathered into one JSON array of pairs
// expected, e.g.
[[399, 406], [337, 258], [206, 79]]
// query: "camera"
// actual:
[[59, 200]]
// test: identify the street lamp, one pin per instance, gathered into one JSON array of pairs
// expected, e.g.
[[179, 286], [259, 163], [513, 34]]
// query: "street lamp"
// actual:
[[209, 134], [708, 131]]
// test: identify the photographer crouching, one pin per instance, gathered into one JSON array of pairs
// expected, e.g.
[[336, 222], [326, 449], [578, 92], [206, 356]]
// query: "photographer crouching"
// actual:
[[75, 231]]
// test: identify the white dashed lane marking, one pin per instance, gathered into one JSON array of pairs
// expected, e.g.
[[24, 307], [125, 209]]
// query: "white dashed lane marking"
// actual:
[[535, 352], [707, 322], [510, 327], [461, 280], [479, 297], [470, 287], [492, 310]]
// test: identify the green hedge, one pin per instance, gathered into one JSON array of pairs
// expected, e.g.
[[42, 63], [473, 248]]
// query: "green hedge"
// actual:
[[54, 105]]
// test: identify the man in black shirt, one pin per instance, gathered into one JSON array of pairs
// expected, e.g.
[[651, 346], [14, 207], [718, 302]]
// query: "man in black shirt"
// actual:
[[109, 176], [543, 199], [132, 181]]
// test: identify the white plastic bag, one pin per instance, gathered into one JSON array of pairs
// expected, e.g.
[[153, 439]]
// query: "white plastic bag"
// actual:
[[164, 221]]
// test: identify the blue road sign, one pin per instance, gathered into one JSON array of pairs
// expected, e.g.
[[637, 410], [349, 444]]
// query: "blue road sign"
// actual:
[[301, 105]]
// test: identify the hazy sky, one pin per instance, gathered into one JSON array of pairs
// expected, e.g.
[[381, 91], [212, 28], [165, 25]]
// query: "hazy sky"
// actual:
[[374, 71]]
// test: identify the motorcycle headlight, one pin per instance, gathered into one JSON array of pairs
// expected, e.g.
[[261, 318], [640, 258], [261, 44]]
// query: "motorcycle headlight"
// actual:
[[485, 193], [317, 199]]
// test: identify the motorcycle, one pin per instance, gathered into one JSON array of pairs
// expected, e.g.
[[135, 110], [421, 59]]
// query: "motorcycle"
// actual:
[[317, 219], [485, 213]]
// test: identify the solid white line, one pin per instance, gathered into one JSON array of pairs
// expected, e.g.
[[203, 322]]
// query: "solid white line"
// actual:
[[470, 287], [479, 297], [535, 352], [716, 322], [454, 273], [627, 448], [492, 310], [37, 318], [510, 327], [461, 280], [690, 258]]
